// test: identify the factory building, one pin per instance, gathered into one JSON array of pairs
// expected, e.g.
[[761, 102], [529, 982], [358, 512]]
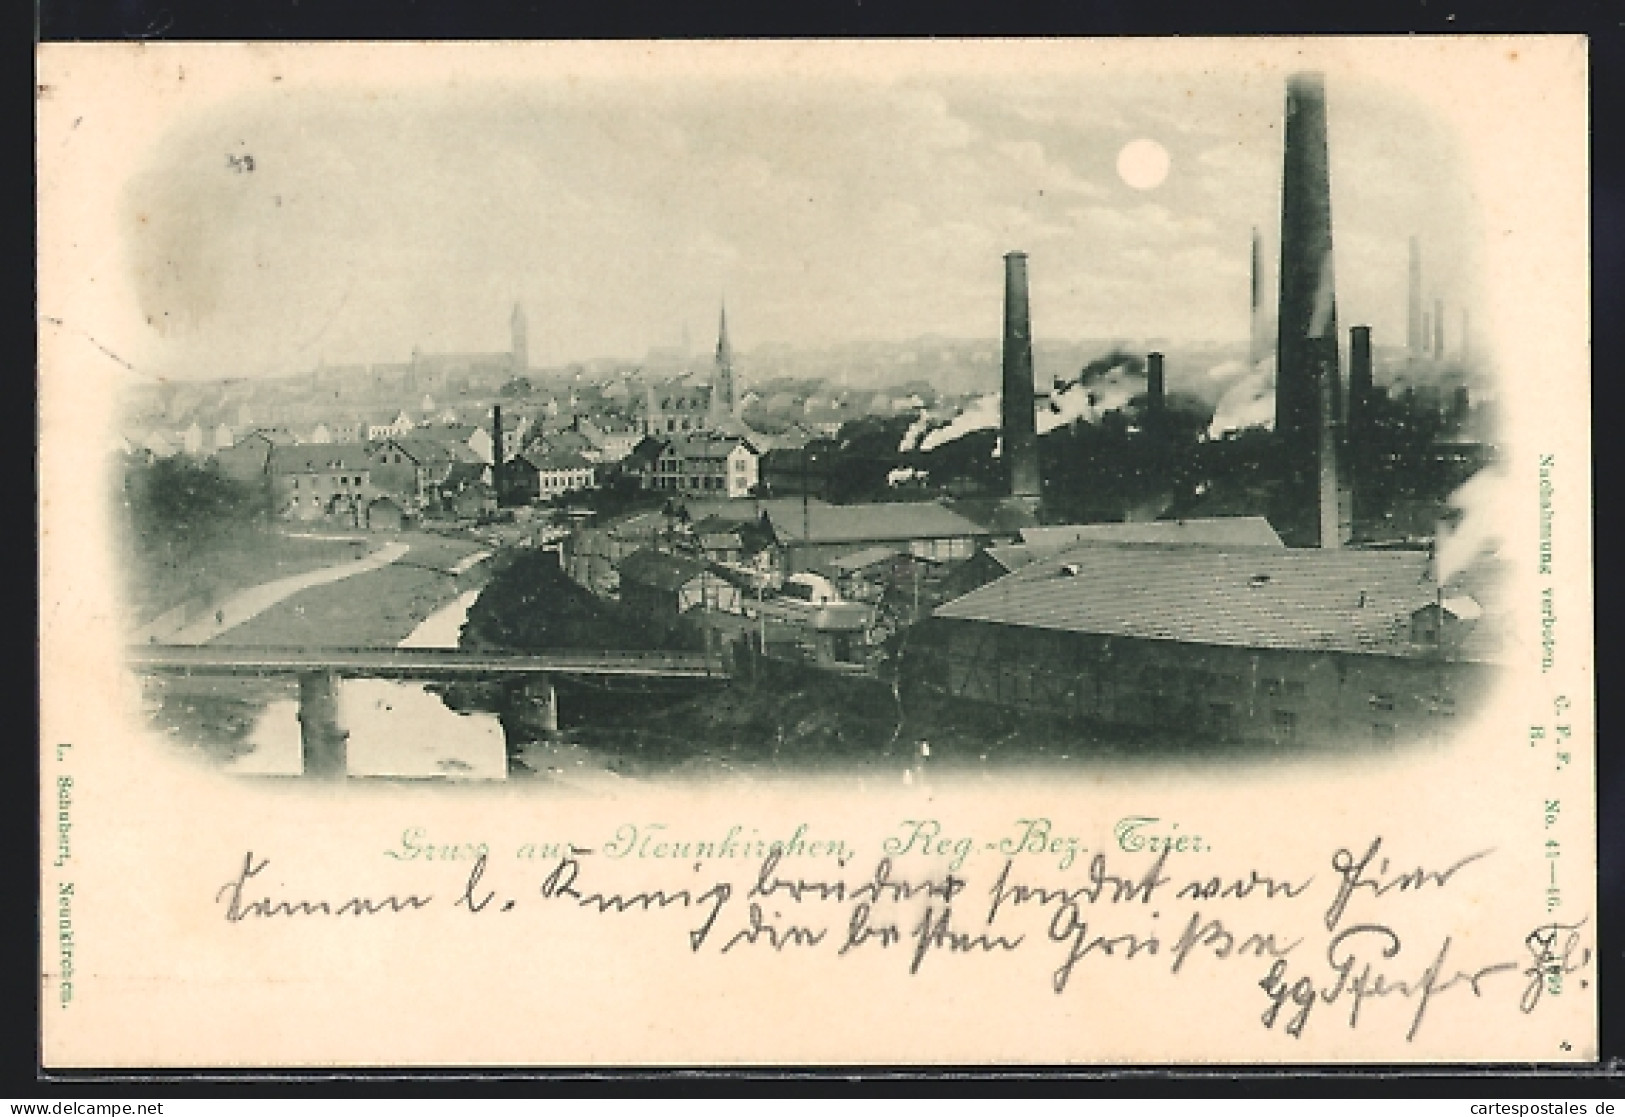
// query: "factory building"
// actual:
[[1247, 644], [814, 535]]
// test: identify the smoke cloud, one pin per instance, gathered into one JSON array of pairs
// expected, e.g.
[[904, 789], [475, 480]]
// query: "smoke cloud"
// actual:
[[1250, 399], [1103, 385], [1480, 502]]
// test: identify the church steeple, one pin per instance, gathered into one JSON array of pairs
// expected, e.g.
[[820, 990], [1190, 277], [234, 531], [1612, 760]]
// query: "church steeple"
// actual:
[[723, 399], [521, 351]]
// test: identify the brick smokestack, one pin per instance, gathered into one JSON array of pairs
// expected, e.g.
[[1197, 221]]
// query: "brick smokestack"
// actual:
[[497, 471], [1359, 422], [1256, 344], [1308, 387], [1413, 304], [1020, 427], [1156, 386]]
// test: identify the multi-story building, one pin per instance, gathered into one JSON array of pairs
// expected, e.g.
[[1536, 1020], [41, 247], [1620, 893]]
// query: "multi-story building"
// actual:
[[313, 482], [705, 464]]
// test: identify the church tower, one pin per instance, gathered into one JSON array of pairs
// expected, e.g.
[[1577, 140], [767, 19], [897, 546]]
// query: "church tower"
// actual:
[[723, 396], [521, 351]]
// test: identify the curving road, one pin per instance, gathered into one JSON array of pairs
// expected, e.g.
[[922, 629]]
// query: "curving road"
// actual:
[[246, 604]]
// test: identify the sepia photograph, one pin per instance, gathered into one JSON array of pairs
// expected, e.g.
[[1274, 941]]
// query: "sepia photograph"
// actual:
[[519, 460]]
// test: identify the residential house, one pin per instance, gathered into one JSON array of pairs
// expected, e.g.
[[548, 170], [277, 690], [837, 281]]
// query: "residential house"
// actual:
[[541, 474], [349, 430], [320, 434], [663, 586], [385, 428], [608, 440], [414, 469], [735, 542], [476, 438]]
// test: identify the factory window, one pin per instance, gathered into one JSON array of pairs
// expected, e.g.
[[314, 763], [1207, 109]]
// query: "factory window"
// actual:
[[296, 484], [1383, 702]]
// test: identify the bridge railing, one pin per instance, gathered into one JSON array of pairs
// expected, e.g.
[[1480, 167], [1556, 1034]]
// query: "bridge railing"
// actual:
[[428, 662]]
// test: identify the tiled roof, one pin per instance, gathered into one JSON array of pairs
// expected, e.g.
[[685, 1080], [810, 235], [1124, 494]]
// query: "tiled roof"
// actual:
[[1257, 597], [545, 460], [1223, 531], [659, 569], [320, 458], [700, 447], [426, 451], [857, 560], [866, 523]]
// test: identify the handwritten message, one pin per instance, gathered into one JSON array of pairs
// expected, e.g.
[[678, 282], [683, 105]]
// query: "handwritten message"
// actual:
[[931, 897]]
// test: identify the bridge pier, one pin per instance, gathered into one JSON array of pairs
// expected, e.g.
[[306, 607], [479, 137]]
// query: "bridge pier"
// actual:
[[532, 715], [541, 706], [323, 740]]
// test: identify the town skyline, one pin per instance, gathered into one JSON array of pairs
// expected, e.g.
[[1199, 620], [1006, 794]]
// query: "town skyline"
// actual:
[[369, 225]]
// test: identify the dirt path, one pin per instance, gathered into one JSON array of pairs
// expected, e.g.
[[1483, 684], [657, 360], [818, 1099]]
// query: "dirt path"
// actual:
[[247, 604]]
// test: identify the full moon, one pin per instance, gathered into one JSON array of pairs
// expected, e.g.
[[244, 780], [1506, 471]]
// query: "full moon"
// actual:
[[1143, 164]]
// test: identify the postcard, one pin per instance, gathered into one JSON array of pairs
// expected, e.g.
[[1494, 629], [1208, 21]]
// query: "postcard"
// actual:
[[815, 553]]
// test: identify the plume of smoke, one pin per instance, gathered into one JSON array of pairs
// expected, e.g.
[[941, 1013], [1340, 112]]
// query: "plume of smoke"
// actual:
[[1250, 399], [1480, 501], [1110, 391], [1105, 384], [923, 422], [1102, 367], [982, 414]]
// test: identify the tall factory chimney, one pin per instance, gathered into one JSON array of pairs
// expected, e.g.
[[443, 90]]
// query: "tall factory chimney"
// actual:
[[519, 341], [1414, 343], [1438, 329], [1359, 421], [1020, 426], [1308, 387], [1156, 387], [1255, 319], [498, 472]]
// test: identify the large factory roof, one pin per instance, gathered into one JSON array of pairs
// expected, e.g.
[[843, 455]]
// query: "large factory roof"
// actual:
[[1255, 597], [1222, 531], [869, 523]]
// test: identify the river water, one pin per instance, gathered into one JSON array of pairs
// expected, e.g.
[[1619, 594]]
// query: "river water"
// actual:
[[400, 730]]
